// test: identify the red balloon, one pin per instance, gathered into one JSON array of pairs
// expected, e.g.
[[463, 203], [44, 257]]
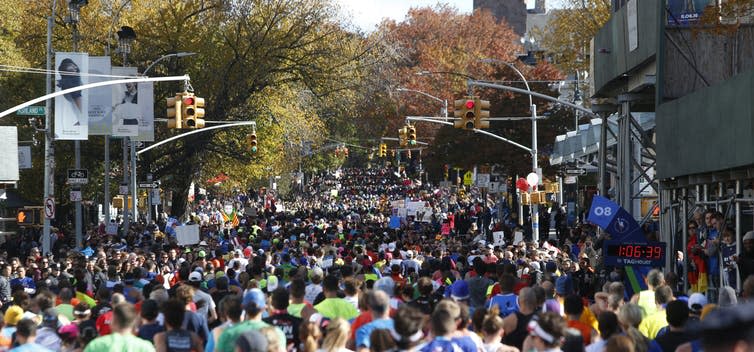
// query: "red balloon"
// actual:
[[522, 185]]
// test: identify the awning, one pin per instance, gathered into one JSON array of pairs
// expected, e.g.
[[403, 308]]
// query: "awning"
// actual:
[[585, 141]]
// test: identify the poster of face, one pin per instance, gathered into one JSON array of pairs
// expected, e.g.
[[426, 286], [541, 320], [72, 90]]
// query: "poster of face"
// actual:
[[100, 99], [71, 109], [132, 107], [684, 12]]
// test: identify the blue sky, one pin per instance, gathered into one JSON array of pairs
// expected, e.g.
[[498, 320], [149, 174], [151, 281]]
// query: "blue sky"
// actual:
[[366, 14]]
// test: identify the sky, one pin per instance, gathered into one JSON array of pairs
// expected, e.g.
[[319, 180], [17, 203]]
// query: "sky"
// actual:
[[366, 14]]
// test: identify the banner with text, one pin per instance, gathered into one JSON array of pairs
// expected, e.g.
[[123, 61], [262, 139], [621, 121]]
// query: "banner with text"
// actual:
[[132, 107], [100, 98]]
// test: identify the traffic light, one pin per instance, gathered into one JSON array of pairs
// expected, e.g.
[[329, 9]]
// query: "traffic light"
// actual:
[[29, 217], [174, 111], [403, 136], [446, 171], [465, 111], [383, 150], [251, 140], [481, 113], [411, 135], [192, 110]]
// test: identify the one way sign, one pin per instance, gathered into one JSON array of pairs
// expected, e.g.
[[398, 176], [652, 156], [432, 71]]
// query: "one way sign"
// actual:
[[150, 185]]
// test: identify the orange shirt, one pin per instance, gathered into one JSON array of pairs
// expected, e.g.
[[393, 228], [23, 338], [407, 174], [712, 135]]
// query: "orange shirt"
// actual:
[[585, 330]]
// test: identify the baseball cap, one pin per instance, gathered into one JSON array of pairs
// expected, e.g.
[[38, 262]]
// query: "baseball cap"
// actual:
[[255, 296], [749, 236], [70, 331], [195, 277], [13, 315], [201, 254], [385, 284], [697, 301]]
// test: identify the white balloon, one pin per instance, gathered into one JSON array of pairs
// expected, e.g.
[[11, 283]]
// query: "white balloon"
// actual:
[[532, 179]]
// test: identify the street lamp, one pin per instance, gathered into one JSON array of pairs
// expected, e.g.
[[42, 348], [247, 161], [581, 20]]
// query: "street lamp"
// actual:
[[534, 156], [126, 36], [444, 101], [163, 57]]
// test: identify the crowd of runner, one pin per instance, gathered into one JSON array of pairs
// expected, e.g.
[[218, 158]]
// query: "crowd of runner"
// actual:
[[335, 271]]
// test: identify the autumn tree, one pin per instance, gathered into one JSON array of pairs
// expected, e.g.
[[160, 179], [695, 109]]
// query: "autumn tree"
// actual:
[[567, 35], [453, 47]]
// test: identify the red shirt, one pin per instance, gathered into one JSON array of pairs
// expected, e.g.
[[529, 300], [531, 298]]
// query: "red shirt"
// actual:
[[103, 323]]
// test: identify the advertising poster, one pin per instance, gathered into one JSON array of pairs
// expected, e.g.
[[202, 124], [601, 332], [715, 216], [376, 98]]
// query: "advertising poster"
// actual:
[[125, 114], [146, 110], [71, 115], [100, 99], [685, 12]]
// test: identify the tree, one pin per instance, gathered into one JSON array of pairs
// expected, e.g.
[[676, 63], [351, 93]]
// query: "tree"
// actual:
[[567, 35], [440, 39]]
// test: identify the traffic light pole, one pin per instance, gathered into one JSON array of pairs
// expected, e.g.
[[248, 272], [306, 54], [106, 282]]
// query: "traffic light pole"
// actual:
[[49, 153]]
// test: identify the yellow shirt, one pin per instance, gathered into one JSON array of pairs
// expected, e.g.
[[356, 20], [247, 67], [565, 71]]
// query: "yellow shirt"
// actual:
[[652, 324]]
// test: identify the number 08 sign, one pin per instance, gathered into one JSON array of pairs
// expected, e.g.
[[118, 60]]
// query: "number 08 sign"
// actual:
[[615, 220]]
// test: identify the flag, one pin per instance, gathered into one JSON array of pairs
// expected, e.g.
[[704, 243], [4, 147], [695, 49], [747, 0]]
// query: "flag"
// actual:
[[232, 217]]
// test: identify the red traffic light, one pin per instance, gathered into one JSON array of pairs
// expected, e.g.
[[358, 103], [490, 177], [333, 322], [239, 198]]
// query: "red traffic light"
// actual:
[[190, 101], [469, 104]]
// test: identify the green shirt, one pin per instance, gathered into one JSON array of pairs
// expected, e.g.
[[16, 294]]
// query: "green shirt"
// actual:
[[332, 308], [295, 309], [116, 342], [227, 340], [65, 310]]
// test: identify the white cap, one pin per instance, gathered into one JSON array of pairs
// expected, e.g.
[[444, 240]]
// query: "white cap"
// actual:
[[749, 236], [195, 276]]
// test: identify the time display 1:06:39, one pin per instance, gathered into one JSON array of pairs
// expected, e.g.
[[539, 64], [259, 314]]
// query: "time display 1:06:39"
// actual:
[[638, 251]]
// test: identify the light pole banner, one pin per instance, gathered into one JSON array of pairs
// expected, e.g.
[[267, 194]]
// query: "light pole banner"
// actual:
[[146, 112], [132, 107], [100, 99], [71, 115], [125, 108]]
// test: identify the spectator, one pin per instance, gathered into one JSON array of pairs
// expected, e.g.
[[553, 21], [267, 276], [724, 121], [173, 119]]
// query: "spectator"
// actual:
[[608, 323]]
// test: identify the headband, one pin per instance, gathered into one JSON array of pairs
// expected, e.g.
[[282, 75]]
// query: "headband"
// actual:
[[79, 312], [413, 338], [534, 328]]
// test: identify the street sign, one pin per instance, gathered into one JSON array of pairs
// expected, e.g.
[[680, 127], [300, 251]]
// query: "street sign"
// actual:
[[123, 188], [149, 185], [75, 196], [156, 196], [575, 171], [483, 180], [78, 176], [49, 208], [32, 111], [468, 178]]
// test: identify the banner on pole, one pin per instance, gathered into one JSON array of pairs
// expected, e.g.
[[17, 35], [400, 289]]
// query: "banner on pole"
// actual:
[[100, 98], [125, 114], [71, 110]]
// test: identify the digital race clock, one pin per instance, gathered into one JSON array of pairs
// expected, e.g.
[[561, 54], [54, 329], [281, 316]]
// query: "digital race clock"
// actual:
[[643, 254]]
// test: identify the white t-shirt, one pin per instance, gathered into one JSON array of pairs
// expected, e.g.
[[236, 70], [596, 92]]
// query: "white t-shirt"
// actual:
[[208, 303]]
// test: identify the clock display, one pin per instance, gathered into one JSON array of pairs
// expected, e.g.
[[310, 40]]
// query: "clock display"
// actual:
[[650, 254]]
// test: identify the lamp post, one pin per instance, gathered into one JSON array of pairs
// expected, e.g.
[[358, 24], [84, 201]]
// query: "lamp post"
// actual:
[[74, 13], [444, 101], [125, 37], [534, 156]]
